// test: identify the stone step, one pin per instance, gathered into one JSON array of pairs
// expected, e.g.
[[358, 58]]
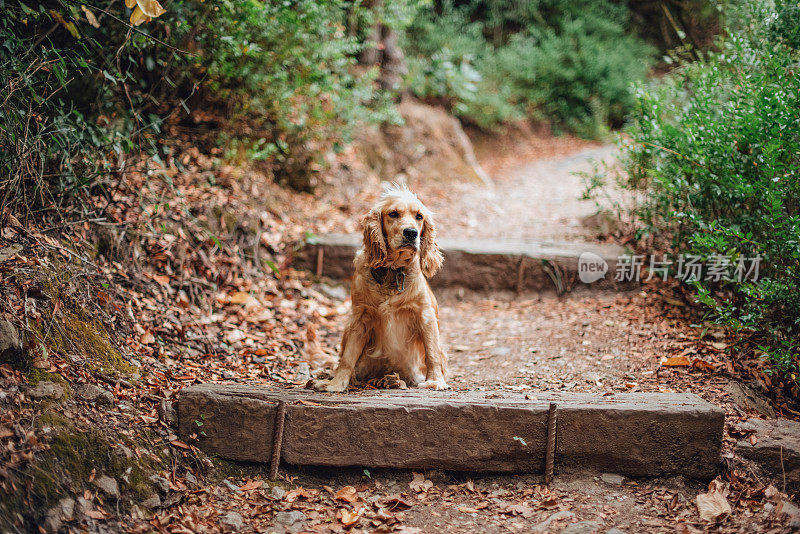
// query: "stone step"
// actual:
[[634, 434], [480, 264]]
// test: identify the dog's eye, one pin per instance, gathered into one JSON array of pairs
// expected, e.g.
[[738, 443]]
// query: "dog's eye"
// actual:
[[394, 214], [419, 216]]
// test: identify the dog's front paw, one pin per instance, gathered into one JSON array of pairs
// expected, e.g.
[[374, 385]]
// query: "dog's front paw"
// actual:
[[331, 386], [438, 384]]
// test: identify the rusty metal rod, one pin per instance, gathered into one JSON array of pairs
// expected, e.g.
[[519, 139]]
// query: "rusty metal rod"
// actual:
[[277, 440], [550, 452]]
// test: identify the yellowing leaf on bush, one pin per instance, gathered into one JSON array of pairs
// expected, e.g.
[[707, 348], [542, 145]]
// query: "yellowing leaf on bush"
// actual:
[[676, 361], [70, 26], [145, 11], [151, 8], [90, 16]]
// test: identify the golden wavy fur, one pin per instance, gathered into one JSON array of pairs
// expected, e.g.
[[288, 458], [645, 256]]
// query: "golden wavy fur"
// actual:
[[393, 325]]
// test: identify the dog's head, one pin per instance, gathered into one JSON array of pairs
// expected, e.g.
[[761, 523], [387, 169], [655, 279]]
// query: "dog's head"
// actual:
[[400, 228]]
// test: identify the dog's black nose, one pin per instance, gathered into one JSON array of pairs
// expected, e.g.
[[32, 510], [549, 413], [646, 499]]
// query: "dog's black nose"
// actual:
[[410, 233]]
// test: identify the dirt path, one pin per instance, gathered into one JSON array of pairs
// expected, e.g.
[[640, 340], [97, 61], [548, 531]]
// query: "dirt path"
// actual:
[[538, 200], [587, 341]]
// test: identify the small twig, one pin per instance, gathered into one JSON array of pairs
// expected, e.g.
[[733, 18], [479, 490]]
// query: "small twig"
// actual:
[[550, 452], [320, 257], [783, 469], [277, 440], [520, 274]]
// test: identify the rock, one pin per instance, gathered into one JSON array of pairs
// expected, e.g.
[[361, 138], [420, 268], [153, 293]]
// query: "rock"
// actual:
[[167, 413], [153, 502], [614, 530], [161, 483], [333, 292], [231, 486], [303, 372], [107, 485], [610, 478], [482, 264], [46, 390], [633, 434], [604, 222], [52, 524], [124, 452], [776, 451], [11, 350], [92, 393], [232, 522], [790, 513], [500, 351], [544, 526], [190, 478], [277, 493], [749, 399], [292, 521], [583, 527], [56, 516]]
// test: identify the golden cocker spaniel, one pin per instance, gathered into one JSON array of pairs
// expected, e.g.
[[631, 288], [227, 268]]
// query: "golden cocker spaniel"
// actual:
[[393, 325]]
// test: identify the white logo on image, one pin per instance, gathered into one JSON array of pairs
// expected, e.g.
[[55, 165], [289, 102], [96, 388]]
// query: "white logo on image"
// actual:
[[591, 267]]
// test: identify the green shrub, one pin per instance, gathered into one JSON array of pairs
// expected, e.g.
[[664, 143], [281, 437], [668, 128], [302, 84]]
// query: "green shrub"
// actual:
[[716, 148], [283, 74], [568, 62]]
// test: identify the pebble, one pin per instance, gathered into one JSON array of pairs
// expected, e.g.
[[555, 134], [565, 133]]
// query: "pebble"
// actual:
[[277, 493], [232, 522], [46, 390], [583, 527], [161, 483], [92, 393], [152, 502], [108, 485], [610, 478]]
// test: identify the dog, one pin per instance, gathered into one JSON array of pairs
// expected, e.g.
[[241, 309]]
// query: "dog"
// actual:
[[393, 326]]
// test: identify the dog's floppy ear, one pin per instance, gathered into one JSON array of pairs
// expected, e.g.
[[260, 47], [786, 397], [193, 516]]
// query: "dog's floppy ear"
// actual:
[[430, 257], [374, 241]]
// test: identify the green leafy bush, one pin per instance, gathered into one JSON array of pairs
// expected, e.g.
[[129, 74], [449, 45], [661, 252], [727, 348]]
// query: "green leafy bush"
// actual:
[[716, 150], [282, 73], [571, 63]]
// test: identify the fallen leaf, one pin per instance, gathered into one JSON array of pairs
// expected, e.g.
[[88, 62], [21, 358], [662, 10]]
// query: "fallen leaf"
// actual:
[[676, 361], [420, 484], [697, 363], [253, 484], [347, 494], [713, 504], [96, 514], [347, 517], [240, 297], [467, 510], [179, 443]]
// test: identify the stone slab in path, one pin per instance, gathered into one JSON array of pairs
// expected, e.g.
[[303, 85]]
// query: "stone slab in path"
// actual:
[[478, 264], [634, 434]]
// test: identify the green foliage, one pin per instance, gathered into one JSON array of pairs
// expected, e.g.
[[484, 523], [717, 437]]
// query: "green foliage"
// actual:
[[54, 89], [568, 62], [283, 73], [716, 148]]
